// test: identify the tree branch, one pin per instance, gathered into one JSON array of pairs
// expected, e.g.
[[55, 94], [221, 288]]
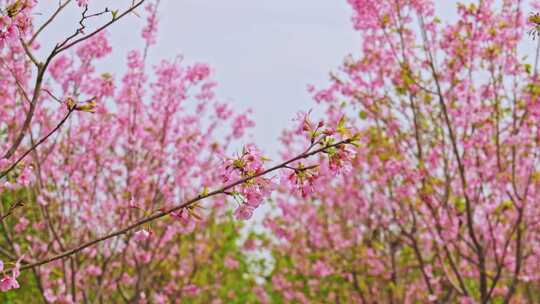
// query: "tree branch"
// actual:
[[186, 204], [42, 140]]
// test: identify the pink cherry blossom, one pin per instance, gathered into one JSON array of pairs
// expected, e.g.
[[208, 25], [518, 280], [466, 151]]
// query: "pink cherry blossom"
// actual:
[[141, 235], [8, 283], [244, 212]]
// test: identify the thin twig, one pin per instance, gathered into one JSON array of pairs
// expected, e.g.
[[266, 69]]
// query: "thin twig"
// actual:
[[11, 209], [19, 84], [29, 53], [64, 45], [38, 143], [44, 25]]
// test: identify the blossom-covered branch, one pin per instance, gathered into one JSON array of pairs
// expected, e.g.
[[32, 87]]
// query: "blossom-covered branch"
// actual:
[[187, 204]]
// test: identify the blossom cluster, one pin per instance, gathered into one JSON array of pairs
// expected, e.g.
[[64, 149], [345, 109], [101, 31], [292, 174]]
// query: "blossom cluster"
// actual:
[[303, 175], [9, 282], [250, 194], [15, 21]]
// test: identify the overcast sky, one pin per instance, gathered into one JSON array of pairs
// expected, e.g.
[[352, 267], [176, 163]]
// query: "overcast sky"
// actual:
[[264, 52]]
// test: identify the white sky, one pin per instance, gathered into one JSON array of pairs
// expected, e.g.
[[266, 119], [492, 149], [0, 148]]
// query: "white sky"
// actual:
[[264, 52]]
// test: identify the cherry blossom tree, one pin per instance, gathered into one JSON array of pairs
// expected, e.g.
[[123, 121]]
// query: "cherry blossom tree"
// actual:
[[440, 202], [418, 184], [126, 187]]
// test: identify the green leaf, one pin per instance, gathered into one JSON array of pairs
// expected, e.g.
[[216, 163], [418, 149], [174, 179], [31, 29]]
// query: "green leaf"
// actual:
[[362, 115], [528, 68], [205, 191]]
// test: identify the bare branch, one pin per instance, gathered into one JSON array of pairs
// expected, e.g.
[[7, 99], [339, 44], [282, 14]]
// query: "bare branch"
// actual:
[[65, 45]]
